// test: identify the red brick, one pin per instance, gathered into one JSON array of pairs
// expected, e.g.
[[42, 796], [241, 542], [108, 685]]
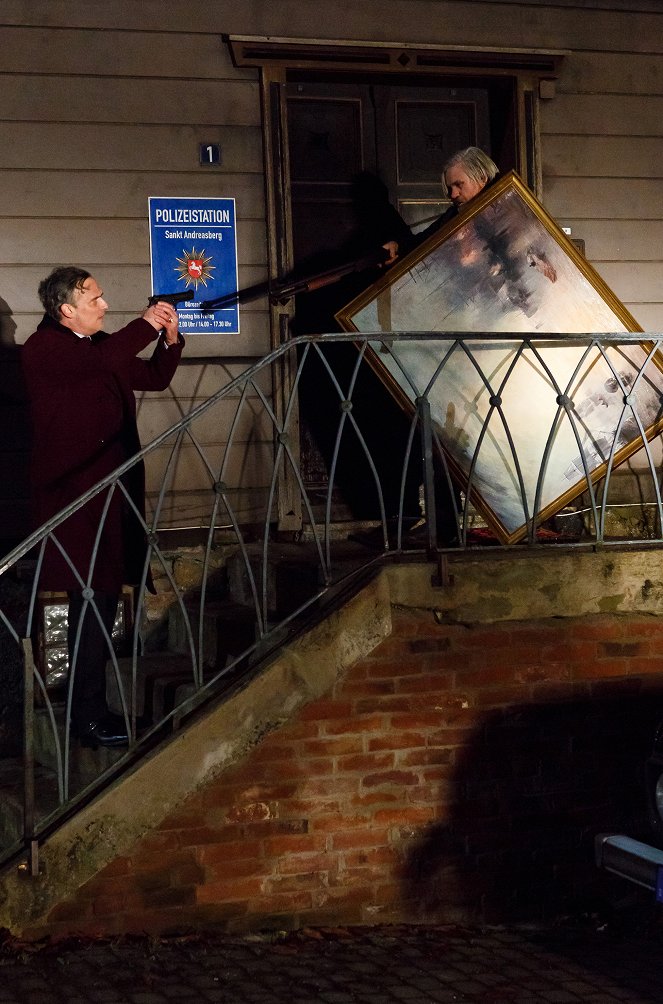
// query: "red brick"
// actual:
[[275, 827], [600, 627], [224, 871], [421, 720], [364, 688], [400, 664], [315, 805], [623, 649], [179, 896], [120, 866], [325, 710], [238, 889], [310, 882], [396, 740], [352, 839], [488, 676], [341, 787], [281, 903], [369, 705], [337, 746], [303, 864], [389, 777], [430, 682], [410, 816], [453, 736], [439, 756], [651, 665], [547, 693], [544, 672], [373, 798], [498, 696], [108, 905], [357, 724], [295, 844], [382, 856], [368, 761], [251, 812], [603, 668], [211, 853], [395, 668], [434, 791]]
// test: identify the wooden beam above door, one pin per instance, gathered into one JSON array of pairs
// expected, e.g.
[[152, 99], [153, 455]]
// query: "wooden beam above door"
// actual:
[[391, 57]]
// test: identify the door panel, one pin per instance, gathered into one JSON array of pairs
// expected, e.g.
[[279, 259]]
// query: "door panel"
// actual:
[[418, 129], [330, 132], [403, 135]]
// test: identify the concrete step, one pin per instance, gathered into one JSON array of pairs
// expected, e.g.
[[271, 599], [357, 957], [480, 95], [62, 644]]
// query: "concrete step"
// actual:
[[229, 628], [293, 576], [156, 674]]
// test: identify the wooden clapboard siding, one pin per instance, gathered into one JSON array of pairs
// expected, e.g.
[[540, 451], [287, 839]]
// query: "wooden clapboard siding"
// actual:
[[94, 122], [250, 423], [617, 72], [104, 104], [250, 466], [130, 147], [604, 114], [113, 241], [70, 51], [602, 154]]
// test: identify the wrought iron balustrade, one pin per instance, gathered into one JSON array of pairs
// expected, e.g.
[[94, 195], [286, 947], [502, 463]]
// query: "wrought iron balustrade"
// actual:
[[495, 440]]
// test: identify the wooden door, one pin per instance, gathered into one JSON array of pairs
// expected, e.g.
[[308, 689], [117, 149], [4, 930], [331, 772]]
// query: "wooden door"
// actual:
[[365, 161]]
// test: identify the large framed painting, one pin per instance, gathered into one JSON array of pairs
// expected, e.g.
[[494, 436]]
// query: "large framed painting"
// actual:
[[524, 422]]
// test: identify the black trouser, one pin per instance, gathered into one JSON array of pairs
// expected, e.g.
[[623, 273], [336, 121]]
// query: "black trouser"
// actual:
[[88, 702]]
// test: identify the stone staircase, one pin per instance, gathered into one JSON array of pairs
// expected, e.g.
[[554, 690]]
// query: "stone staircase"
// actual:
[[232, 645]]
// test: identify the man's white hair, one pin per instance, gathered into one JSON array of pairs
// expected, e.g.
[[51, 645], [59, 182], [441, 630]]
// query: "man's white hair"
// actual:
[[477, 165]]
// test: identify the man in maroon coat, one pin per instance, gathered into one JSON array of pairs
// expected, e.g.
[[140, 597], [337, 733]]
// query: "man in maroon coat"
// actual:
[[80, 383]]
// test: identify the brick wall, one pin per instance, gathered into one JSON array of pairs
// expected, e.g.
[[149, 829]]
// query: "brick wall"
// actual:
[[459, 773]]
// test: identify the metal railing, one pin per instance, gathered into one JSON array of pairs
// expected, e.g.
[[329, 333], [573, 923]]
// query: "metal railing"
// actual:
[[500, 440]]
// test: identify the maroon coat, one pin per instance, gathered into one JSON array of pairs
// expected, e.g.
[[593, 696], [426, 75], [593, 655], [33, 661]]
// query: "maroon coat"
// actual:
[[84, 426]]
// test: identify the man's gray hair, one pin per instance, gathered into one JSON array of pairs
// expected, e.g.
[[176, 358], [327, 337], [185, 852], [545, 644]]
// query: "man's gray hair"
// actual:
[[59, 287], [477, 165]]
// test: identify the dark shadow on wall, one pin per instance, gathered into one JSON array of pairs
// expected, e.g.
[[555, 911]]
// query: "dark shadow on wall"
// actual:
[[15, 439], [15, 525], [530, 791]]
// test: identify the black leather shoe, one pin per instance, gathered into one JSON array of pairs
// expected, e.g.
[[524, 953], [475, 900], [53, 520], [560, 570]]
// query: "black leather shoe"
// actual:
[[102, 733]]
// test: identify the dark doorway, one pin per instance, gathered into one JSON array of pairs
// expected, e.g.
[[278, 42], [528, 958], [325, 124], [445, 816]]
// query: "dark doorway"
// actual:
[[402, 133], [366, 159]]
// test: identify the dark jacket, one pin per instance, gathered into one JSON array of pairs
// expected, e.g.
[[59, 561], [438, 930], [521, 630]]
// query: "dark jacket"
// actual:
[[84, 426]]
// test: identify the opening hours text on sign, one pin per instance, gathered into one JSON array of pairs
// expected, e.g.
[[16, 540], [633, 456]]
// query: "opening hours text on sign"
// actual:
[[193, 248]]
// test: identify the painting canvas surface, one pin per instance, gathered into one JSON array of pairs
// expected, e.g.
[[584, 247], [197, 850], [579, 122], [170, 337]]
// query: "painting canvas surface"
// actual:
[[525, 423]]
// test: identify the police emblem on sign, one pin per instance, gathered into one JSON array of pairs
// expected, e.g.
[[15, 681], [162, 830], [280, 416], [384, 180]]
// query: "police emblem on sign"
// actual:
[[195, 267]]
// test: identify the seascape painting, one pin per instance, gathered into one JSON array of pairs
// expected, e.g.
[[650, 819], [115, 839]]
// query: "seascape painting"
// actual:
[[525, 422]]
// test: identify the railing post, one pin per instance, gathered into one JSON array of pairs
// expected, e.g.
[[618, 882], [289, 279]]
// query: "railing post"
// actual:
[[426, 431], [32, 864]]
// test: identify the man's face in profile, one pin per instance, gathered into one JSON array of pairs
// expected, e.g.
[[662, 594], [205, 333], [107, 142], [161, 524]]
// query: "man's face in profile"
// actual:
[[86, 314], [460, 186]]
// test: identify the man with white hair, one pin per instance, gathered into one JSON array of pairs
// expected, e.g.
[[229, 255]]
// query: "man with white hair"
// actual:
[[464, 176]]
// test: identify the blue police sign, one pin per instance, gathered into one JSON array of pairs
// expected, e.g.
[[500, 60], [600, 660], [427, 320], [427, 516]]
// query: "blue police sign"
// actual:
[[193, 246]]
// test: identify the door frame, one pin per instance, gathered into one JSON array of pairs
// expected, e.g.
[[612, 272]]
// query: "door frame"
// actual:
[[276, 58]]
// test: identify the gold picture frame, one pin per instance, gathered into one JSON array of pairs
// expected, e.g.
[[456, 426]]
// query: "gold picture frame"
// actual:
[[524, 422]]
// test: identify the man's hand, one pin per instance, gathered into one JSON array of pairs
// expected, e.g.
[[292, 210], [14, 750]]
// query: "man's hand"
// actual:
[[163, 317], [392, 248]]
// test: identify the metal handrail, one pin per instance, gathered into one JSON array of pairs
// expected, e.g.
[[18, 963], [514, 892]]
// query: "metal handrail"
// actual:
[[468, 416]]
